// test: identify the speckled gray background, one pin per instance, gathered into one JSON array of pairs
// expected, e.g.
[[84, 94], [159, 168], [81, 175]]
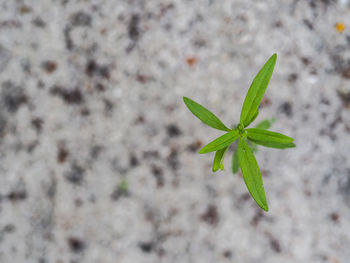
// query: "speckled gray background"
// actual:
[[98, 155]]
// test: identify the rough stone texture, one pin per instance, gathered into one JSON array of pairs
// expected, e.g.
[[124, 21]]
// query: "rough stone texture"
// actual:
[[98, 155]]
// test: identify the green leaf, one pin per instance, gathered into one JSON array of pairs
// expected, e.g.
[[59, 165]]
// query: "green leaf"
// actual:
[[252, 119], [235, 162], [269, 138], [251, 173], [261, 125], [265, 124], [276, 145], [253, 146], [204, 115], [257, 91], [221, 142], [123, 186], [219, 159]]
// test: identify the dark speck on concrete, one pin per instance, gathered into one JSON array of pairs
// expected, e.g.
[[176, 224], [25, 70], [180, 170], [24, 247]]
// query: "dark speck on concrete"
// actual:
[[80, 19], [9, 228], [133, 27], [265, 102], [317, 3], [95, 151], [104, 72], [344, 185], [199, 43], [108, 106], [119, 192], [5, 57], [37, 123], [334, 217], [94, 69], [3, 124], [308, 24], [286, 108], [328, 133], [346, 73], [133, 161], [140, 120], [85, 112], [52, 189], [38, 22], [40, 84], [194, 146], [227, 254], [26, 66], [143, 78], [49, 66], [62, 153], [325, 101], [70, 96], [345, 97], [337, 119], [278, 24], [158, 174], [256, 218], [275, 245], [91, 67], [173, 130], [31, 146], [17, 195], [152, 154], [67, 38], [12, 96], [292, 78], [211, 215], [11, 24], [341, 65], [305, 60], [78, 202], [24, 9], [76, 245], [76, 174], [100, 87], [172, 159], [146, 247]]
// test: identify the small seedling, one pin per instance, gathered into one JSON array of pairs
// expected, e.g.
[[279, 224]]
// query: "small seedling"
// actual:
[[123, 186], [248, 138], [265, 125]]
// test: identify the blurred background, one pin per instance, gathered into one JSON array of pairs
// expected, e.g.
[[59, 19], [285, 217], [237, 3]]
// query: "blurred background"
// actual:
[[98, 153]]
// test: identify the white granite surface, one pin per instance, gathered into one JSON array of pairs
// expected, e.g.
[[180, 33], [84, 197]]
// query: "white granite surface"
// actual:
[[98, 155]]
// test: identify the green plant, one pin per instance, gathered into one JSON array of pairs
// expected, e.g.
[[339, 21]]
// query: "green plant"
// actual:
[[123, 186], [248, 138], [265, 125]]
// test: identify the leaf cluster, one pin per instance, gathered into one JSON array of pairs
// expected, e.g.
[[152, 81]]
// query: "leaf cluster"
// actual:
[[248, 138]]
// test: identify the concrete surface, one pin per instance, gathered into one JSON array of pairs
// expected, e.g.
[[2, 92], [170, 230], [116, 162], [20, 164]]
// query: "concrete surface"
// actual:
[[98, 157]]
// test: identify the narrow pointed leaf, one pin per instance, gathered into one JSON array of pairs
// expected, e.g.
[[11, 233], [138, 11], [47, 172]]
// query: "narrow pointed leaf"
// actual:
[[221, 142], [276, 145], [257, 91], [251, 173], [235, 162], [265, 124], [204, 115], [269, 138], [252, 119], [219, 159], [265, 135]]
